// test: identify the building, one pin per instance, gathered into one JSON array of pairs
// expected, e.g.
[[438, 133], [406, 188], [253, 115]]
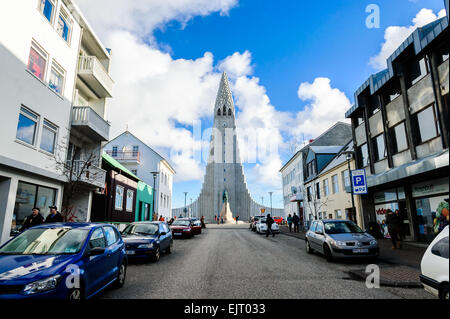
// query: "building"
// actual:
[[400, 133], [142, 160], [39, 48], [293, 172], [328, 193]]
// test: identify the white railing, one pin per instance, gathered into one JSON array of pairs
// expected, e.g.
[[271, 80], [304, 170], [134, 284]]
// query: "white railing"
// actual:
[[85, 115], [91, 65]]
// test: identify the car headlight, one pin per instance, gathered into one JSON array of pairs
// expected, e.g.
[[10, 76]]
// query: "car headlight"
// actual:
[[42, 285], [146, 245], [373, 242], [338, 243]]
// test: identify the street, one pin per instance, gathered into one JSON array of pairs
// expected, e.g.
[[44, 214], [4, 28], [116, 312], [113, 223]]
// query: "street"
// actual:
[[230, 261]]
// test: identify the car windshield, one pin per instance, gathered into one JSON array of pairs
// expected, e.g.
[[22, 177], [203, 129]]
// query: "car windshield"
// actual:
[[181, 223], [197, 223], [342, 228], [141, 229], [46, 241]]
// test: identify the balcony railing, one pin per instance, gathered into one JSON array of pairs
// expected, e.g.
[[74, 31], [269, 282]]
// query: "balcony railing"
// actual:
[[125, 156], [94, 74], [92, 124], [87, 173]]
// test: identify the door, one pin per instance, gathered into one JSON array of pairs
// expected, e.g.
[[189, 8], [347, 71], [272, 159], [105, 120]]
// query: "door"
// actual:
[[164, 240], [319, 237], [96, 276], [113, 252], [312, 235]]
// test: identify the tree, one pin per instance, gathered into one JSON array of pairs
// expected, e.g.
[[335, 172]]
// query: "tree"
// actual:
[[313, 200]]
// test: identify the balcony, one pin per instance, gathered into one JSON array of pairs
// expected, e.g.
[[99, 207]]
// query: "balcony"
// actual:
[[92, 72], [128, 157], [87, 173], [88, 122]]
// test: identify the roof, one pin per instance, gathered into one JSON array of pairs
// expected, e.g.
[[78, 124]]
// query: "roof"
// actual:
[[333, 149], [339, 159], [111, 161]]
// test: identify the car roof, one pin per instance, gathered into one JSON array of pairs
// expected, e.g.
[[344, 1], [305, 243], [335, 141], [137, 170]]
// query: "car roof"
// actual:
[[72, 225], [147, 222]]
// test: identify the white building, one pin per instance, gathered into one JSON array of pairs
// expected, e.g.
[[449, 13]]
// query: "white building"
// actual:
[[39, 49], [142, 160]]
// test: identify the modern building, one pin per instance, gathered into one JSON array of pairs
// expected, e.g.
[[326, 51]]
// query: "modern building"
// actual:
[[400, 133], [142, 160], [39, 47], [294, 171]]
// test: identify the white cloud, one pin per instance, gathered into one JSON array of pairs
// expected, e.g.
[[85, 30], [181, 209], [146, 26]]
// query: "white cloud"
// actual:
[[237, 65], [395, 35], [326, 106]]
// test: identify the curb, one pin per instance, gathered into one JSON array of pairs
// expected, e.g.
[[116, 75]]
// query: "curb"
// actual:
[[361, 275]]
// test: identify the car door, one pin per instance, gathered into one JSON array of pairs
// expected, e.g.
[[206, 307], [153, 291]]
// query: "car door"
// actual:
[[163, 239], [113, 251], [96, 276], [312, 235], [319, 236]]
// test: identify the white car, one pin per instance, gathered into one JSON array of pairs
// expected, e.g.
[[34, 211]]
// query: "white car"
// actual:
[[435, 266], [261, 227]]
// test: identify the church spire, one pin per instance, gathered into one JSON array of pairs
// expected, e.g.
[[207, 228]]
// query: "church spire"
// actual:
[[224, 101]]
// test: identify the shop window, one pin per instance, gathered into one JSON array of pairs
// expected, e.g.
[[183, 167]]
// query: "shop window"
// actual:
[[46, 7], [118, 200], [379, 147], [130, 197], [363, 156], [64, 26], [399, 137], [37, 61], [48, 138], [27, 126], [56, 81]]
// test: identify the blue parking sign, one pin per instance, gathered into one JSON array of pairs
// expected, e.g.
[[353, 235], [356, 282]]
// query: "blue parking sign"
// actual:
[[359, 182]]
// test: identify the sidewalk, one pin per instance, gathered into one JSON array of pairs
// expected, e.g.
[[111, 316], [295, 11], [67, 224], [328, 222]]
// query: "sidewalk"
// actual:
[[398, 267]]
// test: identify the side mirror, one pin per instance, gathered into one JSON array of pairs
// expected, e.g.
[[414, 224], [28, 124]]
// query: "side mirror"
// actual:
[[163, 234], [96, 251]]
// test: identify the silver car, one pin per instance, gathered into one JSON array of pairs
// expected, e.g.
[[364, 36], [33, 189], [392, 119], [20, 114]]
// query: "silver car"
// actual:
[[340, 238]]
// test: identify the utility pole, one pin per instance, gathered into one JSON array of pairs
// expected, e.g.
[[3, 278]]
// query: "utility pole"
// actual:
[[271, 213], [154, 191], [192, 215], [349, 158], [185, 209]]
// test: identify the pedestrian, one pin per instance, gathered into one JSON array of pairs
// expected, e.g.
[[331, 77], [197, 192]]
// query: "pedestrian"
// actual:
[[296, 221], [202, 221], [171, 221], [394, 228], [54, 216], [221, 220], [269, 223], [237, 219], [289, 221], [32, 220]]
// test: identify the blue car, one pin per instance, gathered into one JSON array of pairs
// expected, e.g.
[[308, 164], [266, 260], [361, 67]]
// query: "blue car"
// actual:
[[147, 239], [62, 261]]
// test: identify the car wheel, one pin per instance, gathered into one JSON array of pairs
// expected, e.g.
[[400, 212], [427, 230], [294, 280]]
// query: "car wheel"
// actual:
[[444, 293], [327, 252], [120, 281], [75, 294], [169, 249], [156, 255], [309, 250]]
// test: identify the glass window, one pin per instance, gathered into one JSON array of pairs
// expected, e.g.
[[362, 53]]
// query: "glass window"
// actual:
[[97, 239], [37, 61], [401, 141], [427, 124], [26, 128], [56, 82], [308, 191], [338, 213], [379, 147], [118, 203], [135, 151], [130, 196], [134, 171], [64, 25], [326, 187], [313, 227], [431, 216], [46, 8], [48, 138], [319, 228], [346, 178], [363, 155], [420, 70], [318, 190], [45, 198], [114, 151], [335, 181], [441, 248], [111, 236]]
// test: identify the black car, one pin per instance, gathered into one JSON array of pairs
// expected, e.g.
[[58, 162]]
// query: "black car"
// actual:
[[147, 239]]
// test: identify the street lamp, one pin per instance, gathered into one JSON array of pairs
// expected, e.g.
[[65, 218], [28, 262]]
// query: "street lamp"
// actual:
[[271, 214], [185, 209], [350, 155], [191, 209], [154, 190]]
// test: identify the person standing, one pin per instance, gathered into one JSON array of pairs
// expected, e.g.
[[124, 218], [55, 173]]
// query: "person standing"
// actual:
[[32, 220], [296, 221], [289, 221], [394, 228], [54, 216], [269, 223], [202, 221], [237, 219]]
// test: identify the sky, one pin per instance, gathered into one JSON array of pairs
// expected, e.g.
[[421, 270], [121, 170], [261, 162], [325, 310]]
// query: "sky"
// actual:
[[293, 66]]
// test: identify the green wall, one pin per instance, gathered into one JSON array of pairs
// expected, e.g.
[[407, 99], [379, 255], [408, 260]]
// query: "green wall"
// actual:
[[144, 196]]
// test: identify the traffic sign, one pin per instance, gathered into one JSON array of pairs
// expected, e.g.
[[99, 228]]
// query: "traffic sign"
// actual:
[[263, 210], [359, 182]]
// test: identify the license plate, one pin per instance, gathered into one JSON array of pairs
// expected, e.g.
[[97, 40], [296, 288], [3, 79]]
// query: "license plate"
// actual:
[[178, 234], [131, 252], [359, 251]]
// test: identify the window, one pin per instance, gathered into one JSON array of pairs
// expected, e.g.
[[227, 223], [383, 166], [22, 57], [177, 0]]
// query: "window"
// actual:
[[427, 123], [441, 248], [130, 197], [135, 151], [218, 112], [326, 188], [229, 112], [420, 70], [46, 8], [319, 227], [97, 239], [363, 155], [27, 126], [134, 171], [346, 178], [37, 61], [111, 236], [118, 203], [318, 190], [338, 213], [48, 138], [399, 136], [56, 82], [309, 191], [114, 151], [379, 147], [313, 226], [335, 181], [64, 26]]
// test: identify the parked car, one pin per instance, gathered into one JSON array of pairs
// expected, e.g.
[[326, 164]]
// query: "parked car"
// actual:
[[147, 239], [254, 220], [278, 220], [434, 266], [340, 238], [38, 262], [261, 226], [197, 227], [182, 227]]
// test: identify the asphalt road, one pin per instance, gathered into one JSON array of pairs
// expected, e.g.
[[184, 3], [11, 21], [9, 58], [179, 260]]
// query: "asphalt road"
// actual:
[[232, 262]]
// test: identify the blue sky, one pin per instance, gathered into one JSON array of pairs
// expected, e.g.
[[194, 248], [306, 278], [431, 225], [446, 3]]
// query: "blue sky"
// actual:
[[291, 64]]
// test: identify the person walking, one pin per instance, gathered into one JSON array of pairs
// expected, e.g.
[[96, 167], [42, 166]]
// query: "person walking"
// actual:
[[202, 221], [289, 221], [54, 216], [394, 228], [296, 221], [237, 219], [269, 223], [32, 220]]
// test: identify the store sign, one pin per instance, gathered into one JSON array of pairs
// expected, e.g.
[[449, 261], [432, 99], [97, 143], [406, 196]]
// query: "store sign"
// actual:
[[437, 186], [389, 195], [359, 182]]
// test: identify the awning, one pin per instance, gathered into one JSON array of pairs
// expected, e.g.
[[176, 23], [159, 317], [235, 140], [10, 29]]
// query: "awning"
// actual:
[[111, 161]]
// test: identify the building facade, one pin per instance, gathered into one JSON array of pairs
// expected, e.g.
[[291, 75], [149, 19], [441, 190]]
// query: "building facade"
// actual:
[[400, 133], [142, 160]]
